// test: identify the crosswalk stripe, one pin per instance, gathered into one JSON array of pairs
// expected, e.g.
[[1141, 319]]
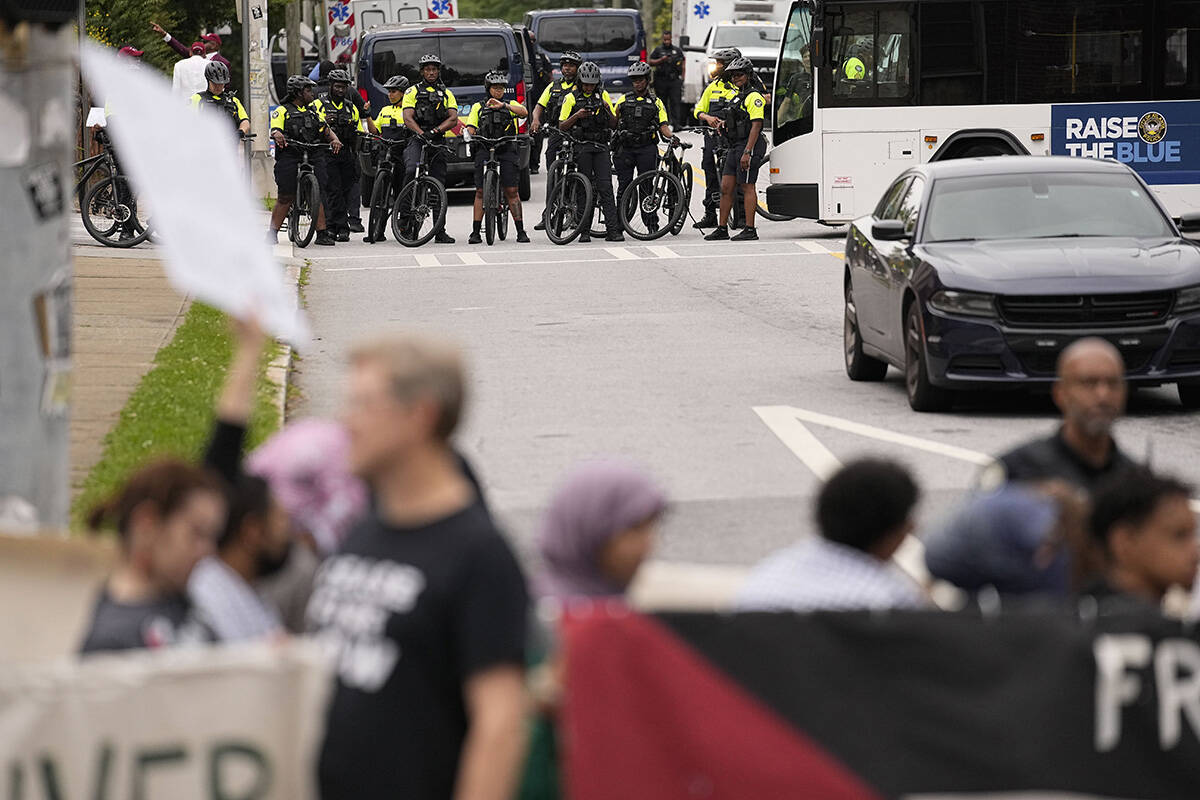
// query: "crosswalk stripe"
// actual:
[[472, 259], [427, 260], [662, 251], [621, 254], [812, 247]]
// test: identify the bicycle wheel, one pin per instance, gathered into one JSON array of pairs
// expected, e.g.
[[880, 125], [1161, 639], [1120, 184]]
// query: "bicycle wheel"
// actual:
[[377, 220], [569, 209], [302, 217], [652, 205], [110, 214], [419, 212], [491, 187], [688, 181], [502, 219]]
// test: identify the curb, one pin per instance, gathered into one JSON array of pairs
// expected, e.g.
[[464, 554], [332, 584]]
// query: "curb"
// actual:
[[279, 371]]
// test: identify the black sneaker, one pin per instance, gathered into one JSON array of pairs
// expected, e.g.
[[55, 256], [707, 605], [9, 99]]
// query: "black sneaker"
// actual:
[[709, 220], [522, 237], [614, 236], [541, 226], [585, 237], [323, 239], [718, 235], [343, 235], [443, 238], [369, 240], [747, 235], [474, 238], [356, 226]]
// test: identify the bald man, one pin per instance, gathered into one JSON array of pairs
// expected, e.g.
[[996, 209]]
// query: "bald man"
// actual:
[[1090, 392]]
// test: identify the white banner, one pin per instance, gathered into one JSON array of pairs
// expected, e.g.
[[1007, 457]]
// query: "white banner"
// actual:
[[221, 723]]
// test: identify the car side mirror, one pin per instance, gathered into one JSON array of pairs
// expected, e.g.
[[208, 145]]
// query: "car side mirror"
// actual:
[[889, 230], [1190, 223], [693, 49], [684, 40]]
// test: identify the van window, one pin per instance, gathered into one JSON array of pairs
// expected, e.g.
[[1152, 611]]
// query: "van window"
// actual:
[[598, 33], [465, 59], [747, 36]]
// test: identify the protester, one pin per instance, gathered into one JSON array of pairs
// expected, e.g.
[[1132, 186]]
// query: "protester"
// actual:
[[1147, 530], [1090, 392], [211, 42], [168, 516], [424, 607], [863, 513], [1020, 539], [188, 77]]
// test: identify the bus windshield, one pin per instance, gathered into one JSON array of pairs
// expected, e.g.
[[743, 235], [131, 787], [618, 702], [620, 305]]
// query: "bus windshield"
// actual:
[[792, 96], [1041, 205]]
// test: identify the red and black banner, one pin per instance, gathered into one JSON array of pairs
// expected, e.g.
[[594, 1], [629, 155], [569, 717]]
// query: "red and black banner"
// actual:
[[864, 706]]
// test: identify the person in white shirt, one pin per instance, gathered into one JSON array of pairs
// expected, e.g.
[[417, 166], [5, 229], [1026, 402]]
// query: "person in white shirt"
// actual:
[[188, 77], [863, 514]]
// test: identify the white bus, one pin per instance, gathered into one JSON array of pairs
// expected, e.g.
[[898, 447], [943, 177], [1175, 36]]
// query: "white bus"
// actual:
[[866, 88]]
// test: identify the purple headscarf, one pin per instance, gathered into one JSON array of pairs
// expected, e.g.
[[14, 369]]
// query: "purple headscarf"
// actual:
[[598, 500]]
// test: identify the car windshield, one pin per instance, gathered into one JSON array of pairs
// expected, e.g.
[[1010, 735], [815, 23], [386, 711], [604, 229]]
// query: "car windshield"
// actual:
[[466, 59], [1041, 205], [747, 36], [588, 33]]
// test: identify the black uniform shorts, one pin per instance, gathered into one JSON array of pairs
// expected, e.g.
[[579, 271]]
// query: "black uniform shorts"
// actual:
[[286, 162], [509, 173], [733, 160]]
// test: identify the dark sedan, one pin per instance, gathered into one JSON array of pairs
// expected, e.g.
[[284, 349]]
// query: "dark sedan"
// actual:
[[975, 274]]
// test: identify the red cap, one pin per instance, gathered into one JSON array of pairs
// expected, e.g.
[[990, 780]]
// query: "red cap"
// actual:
[[133, 52], [198, 47], [211, 37]]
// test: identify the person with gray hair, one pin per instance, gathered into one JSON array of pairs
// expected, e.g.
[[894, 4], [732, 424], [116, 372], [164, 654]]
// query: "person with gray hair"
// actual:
[[1090, 391], [424, 607]]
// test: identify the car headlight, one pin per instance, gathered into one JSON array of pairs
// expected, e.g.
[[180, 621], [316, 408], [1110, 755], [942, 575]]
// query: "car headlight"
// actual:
[[970, 304], [1187, 299], [710, 67]]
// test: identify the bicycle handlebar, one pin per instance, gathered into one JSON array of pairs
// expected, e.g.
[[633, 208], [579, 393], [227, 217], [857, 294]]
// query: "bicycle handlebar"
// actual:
[[502, 140], [307, 145]]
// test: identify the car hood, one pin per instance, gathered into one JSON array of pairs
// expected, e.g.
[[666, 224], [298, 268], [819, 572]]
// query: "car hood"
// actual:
[[1067, 266]]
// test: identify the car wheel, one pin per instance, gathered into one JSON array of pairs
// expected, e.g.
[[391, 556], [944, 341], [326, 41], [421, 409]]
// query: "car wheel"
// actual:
[[1189, 394], [922, 395], [859, 366]]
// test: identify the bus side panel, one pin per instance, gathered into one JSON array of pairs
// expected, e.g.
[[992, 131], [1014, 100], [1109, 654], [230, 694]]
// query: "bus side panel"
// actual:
[[858, 168]]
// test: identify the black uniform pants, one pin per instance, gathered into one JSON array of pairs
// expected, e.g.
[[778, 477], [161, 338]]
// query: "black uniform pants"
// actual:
[[625, 159], [595, 161], [412, 159], [712, 175], [671, 93], [344, 193]]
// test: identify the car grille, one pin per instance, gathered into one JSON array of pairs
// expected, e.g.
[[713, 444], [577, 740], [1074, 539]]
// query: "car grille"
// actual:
[[1085, 311]]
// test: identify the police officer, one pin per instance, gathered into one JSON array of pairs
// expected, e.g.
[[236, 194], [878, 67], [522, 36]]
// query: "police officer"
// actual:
[[430, 110], [589, 112], [669, 63], [389, 123], [711, 109], [215, 95], [641, 117], [546, 112], [301, 120], [495, 118], [742, 133], [341, 115]]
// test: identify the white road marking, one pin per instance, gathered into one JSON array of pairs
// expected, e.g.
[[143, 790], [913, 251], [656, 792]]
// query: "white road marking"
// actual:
[[809, 246], [472, 308], [662, 251], [621, 254], [427, 260], [783, 423], [394, 252], [472, 259]]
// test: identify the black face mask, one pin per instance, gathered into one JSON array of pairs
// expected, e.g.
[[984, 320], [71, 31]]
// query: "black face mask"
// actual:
[[268, 564]]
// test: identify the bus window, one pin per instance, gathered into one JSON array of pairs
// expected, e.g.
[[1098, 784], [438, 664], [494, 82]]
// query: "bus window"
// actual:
[[950, 53], [792, 96], [871, 55], [1082, 52], [1182, 76]]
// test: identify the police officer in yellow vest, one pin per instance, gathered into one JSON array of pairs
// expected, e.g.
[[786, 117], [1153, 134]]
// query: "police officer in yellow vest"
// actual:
[[741, 131], [545, 112], [301, 120], [641, 118], [711, 109], [343, 118], [496, 118], [216, 96], [588, 113], [389, 123], [430, 110]]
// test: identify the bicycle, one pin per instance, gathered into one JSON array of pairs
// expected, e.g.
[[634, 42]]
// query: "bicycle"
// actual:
[[422, 199], [380, 205], [108, 208], [737, 213], [495, 201], [666, 189], [569, 203], [302, 216]]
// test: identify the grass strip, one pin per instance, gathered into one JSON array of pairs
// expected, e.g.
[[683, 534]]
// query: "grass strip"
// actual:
[[170, 413]]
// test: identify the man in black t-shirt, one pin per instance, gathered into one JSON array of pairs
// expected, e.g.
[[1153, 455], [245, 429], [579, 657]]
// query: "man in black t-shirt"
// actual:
[[424, 606], [668, 63]]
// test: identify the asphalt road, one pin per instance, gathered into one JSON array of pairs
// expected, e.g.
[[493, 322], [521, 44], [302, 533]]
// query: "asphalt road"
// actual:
[[678, 354]]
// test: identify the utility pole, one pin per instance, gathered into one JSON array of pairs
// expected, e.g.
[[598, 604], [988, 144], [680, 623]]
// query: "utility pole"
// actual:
[[37, 53], [292, 33], [256, 69]]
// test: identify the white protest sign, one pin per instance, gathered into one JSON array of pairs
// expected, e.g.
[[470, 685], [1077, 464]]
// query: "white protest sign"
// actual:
[[219, 723], [185, 166]]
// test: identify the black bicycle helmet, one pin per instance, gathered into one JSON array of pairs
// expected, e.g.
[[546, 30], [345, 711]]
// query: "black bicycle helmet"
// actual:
[[571, 55], [495, 78], [739, 64], [216, 72], [639, 70], [588, 73], [396, 83], [339, 76], [727, 54], [298, 83], [430, 58]]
